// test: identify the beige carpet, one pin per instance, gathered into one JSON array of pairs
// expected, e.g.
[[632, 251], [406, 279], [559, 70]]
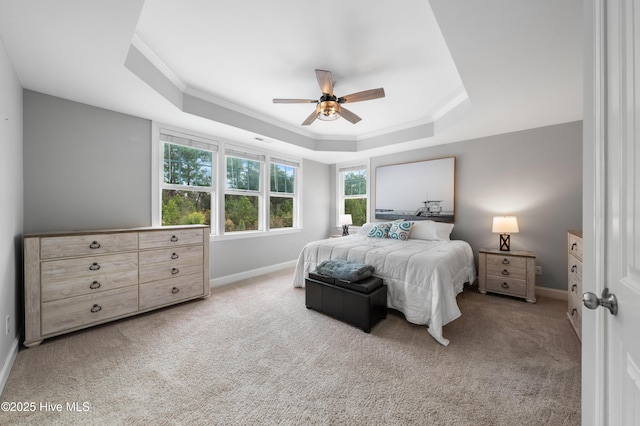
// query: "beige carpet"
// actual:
[[253, 354]]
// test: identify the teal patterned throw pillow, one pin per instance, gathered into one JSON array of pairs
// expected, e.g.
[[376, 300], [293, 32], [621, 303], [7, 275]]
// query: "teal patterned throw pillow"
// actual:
[[400, 230], [380, 230]]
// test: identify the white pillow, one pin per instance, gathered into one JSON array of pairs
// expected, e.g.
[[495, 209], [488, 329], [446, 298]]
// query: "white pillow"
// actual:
[[364, 229], [431, 230]]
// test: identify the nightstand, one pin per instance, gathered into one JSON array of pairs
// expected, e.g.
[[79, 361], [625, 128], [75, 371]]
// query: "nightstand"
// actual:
[[512, 273]]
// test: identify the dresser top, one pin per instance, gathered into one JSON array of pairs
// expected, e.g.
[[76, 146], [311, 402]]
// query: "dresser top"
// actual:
[[113, 231], [521, 253], [576, 232]]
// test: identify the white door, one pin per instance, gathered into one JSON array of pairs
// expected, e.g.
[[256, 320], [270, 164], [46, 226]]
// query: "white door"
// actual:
[[611, 350]]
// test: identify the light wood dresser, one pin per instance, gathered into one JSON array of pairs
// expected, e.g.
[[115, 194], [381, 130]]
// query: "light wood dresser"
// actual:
[[512, 273], [80, 279], [574, 270]]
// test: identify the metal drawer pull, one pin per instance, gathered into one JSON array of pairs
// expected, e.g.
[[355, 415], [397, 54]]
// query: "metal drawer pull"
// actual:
[[175, 256], [94, 266], [96, 308], [573, 246], [175, 290], [174, 238], [94, 245], [505, 272], [574, 311], [574, 287], [505, 285], [574, 268], [175, 271], [505, 261], [94, 285]]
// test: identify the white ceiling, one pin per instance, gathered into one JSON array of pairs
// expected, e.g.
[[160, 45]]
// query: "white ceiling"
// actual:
[[451, 69]]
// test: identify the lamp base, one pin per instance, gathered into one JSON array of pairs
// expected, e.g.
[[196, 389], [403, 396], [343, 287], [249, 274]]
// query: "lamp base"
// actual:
[[505, 240], [345, 230]]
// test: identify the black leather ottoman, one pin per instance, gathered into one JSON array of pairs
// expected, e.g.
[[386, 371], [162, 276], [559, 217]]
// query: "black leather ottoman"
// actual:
[[362, 304]]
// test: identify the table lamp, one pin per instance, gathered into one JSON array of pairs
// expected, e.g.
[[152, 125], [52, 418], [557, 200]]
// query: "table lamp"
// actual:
[[505, 225], [345, 221]]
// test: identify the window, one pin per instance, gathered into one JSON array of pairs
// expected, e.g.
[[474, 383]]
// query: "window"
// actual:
[[239, 192], [187, 184], [352, 193], [242, 199], [282, 194]]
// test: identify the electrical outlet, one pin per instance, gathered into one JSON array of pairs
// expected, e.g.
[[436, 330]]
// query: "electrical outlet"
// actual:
[[538, 270], [7, 328]]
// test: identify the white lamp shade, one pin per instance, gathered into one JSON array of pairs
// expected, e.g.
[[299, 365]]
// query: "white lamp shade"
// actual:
[[505, 225], [345, 219]]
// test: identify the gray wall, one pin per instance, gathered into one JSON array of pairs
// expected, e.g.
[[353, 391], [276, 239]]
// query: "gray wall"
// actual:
[[89, 168], [84, 167], [11, 213], [535, 175]]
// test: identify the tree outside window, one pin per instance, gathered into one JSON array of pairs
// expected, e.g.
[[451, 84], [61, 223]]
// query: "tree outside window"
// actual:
[[187, 185], [354, 194], [281, 198], [242, 195]]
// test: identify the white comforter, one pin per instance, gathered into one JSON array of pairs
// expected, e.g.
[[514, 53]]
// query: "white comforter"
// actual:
[[423, 277]]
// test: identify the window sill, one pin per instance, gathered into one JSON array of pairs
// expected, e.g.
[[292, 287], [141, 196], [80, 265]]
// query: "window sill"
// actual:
[[253, 234]]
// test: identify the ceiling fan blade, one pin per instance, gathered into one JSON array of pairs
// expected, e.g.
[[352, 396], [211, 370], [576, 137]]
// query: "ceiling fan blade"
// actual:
[[349, 116], [325, 81], [295, 101], [310, 119], [363, 96]]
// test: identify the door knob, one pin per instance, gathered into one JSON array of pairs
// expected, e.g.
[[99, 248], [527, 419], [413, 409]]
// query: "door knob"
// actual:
[[608, 300]]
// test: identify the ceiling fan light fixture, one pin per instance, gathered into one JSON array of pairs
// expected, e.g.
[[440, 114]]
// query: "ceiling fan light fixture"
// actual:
[[328, 106], [328, 110]]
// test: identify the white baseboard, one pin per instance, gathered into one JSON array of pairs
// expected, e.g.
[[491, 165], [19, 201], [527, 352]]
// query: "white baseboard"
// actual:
[[228, 279], [8, 363], [552, 293]]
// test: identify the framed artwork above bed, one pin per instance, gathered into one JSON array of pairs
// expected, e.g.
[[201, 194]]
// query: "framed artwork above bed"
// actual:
[[421, 190]]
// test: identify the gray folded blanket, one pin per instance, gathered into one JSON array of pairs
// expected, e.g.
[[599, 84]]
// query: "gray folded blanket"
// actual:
[[344, 270]]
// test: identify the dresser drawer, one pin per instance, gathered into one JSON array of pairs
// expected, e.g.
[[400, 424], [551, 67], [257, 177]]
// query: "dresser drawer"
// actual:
[[574, 269], [74, 277], [575, 287], [575, 314], [163, 264], [171, 290], [189, 255], [575, 246], [507, 266], [79, 311], [87, 245], [510, 286], [170, 238]]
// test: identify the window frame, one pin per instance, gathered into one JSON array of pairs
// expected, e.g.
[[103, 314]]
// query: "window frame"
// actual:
[[341, 169], [190, 140], [241, 153], [293, 195]]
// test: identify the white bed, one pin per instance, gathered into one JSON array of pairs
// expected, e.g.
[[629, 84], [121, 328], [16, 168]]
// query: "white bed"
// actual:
[[423, 274]]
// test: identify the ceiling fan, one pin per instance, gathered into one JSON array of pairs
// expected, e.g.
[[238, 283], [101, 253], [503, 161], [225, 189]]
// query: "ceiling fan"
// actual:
[[329, 107]]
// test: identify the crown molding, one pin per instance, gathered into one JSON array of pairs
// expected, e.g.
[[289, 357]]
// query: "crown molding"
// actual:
[[137, 42]]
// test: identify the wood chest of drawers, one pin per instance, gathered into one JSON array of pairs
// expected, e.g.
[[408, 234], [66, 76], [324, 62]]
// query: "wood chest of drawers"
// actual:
[[507, 272], [80, 279], [574, 274]]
